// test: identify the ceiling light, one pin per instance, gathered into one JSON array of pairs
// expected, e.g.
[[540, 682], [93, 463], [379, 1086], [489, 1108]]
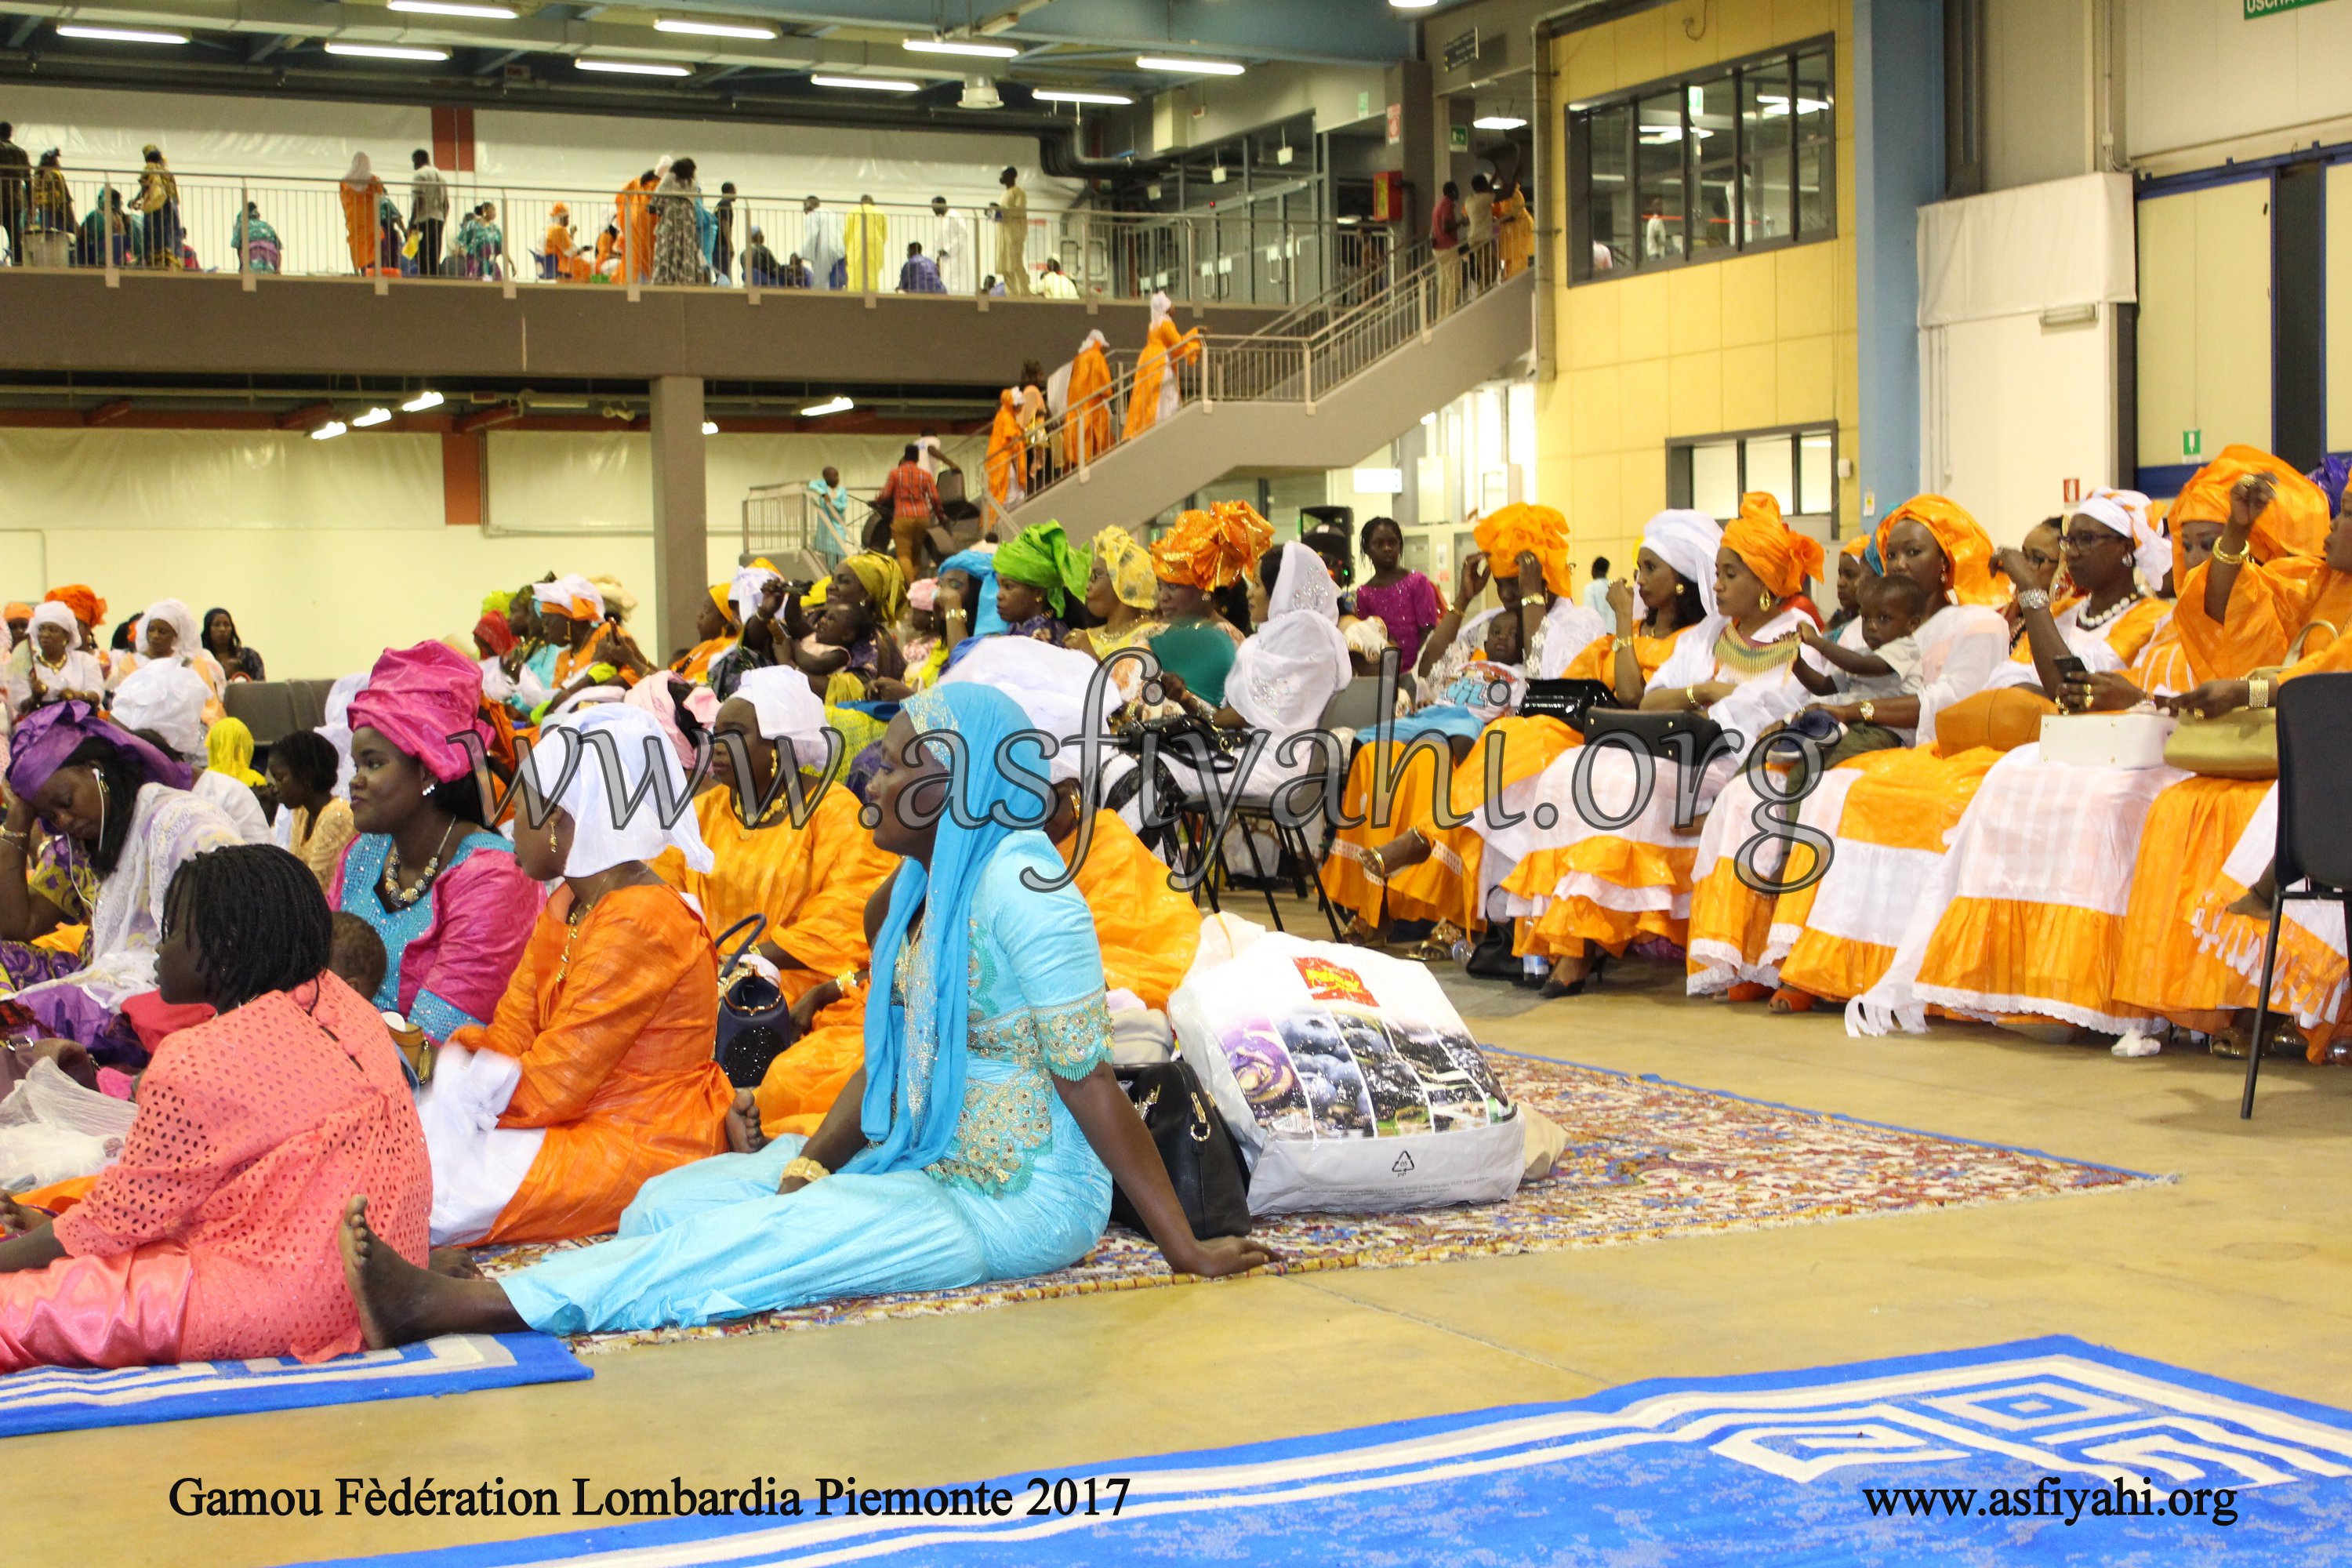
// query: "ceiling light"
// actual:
[[1411, 5], [386, 51], [1045, 96], [329, 430], [1498, 122], [819, 410], [710, 426], [454, 8], [1200, 68], [420, 402], [120, 35], [713, 29], [632, 68], [960, 47], [868, 83], [373, 416]]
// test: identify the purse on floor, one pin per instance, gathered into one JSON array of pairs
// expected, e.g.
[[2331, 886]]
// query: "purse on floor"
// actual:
[[755, 1021], [1194, 1145]]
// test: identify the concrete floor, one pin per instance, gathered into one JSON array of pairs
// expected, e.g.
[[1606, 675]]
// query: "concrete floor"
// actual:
[[2242, 1268]]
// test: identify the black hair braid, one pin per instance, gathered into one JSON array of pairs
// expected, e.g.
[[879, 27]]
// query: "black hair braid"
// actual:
[[258, 918], [309, 757]]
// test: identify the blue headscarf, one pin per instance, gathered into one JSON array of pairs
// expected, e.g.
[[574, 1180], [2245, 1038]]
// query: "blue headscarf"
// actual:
[[915, 1057], [985, 621]]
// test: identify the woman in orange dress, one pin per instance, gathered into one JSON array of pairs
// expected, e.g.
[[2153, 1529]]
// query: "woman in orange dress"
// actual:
[[595, 1072], [1156, 394], [362, 198]]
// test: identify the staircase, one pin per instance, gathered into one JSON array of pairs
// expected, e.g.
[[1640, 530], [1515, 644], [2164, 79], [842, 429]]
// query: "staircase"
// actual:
[[1317, 389]]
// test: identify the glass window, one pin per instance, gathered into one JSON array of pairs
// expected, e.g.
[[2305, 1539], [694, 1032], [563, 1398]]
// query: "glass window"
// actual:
[[1764, 175], [1714, 479], [1611, 183], [1771, 469], [1816, 176], [1658, 193], [1816, 475], [1713, 148]]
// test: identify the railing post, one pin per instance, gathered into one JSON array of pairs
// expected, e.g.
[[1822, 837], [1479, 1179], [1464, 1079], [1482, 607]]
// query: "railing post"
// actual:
[[1307, 370], [1192, 273]]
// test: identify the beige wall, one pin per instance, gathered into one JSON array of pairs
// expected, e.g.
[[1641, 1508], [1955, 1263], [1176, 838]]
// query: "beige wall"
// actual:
[[2205, 320], [1729, 345]]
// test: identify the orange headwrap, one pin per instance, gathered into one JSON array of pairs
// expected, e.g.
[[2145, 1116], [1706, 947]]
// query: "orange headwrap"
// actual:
[[1855, 546], [1965, 545], [87, 606], [1780, 556], [1524, 528], [16, 612], [1210, 550], [2295, 523]]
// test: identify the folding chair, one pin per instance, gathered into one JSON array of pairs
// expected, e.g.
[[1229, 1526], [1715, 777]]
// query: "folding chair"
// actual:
[[2314, 837]]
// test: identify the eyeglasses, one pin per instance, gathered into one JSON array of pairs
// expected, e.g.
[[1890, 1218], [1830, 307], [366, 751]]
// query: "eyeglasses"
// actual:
[[2075, 543]]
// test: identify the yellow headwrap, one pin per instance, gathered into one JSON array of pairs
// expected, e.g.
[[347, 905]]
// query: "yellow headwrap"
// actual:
[[1129, 565], [886, 585], [719, 597], [1210, 550], [495, 603], [2295, 523], [1523, 528], [228, 748], [1965, 545]]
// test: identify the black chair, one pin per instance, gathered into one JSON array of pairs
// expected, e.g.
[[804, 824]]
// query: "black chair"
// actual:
[[2314, 837]]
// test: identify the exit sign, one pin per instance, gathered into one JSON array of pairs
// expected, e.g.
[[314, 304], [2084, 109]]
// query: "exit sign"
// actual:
[[2192, 442], [2266, 7]]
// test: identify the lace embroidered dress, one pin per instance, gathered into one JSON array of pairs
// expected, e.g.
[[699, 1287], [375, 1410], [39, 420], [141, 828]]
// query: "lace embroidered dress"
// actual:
[[1019, 1192]]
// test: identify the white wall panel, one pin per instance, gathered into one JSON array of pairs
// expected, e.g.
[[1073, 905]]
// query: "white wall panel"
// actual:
[[2019, 410], [542, 481], [205, 135], [2204, 320], [155, 479], [2200, 71]]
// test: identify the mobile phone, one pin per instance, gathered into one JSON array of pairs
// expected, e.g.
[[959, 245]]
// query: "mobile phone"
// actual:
[[2071, 668]]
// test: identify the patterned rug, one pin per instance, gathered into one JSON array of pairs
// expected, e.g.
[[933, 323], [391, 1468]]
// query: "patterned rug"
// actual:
[[1646, 1159]]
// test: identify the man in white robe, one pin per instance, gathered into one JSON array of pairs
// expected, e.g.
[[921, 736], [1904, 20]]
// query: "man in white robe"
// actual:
[[822, 242]]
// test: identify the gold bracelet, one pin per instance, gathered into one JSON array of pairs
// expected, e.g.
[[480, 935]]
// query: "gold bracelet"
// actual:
[[806, 1168], [846, 980], [1620, 644], [2226, 558], [2258, 691], [1690, 695]]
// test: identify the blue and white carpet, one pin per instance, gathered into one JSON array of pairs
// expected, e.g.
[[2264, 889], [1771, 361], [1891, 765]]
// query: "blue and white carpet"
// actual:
[[58, 1399], [2044, 1451]]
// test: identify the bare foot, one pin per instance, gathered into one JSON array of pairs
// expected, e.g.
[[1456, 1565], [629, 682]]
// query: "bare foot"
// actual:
[[452, 1263], [400, 1303], [744, 1135]]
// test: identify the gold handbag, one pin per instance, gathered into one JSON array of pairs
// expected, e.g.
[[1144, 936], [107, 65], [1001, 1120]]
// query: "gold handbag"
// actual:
[[2242, 744]]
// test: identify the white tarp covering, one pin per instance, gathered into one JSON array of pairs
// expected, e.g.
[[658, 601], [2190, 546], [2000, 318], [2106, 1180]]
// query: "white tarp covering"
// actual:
[[187, 480], [561, 482], [205, 135], [2023, 251]]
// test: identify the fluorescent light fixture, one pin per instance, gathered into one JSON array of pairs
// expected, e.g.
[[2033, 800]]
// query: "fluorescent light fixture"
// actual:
[[329, 430], [632, 68], [119, 34], [868, 83], [1050, 95], [1195, 68], [1776, 107], [386, 51], [1498, 122], [377, 416], [454, 8], [1379, 482], [960, 47], [819, 410], [712, 29], [710, 426], [1411, 5], [420, 402]]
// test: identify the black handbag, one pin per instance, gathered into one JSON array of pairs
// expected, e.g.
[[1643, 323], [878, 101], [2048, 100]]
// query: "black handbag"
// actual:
[[1566, 700], [755, 1021], [1203, 1165], [1686, 737], [1493, 959]]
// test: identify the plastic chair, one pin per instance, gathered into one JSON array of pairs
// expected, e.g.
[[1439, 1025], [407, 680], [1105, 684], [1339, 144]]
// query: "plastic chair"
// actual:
[[2314, 837]]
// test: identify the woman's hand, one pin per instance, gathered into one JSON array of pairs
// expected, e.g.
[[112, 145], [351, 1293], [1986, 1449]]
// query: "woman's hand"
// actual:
[[814, 1000], [2010, 563], [1470, 578], [1171, 687], [2108, 691], [1621, 606], [1710, 692], [772, 598], [2249, 499], [1222, 1255], [882, 688], [21, 816], [2209, 700]]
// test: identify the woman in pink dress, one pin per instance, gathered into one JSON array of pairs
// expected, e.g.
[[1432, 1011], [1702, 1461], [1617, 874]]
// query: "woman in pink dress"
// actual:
[[444, 892], [1407, 603], [213, 1238]]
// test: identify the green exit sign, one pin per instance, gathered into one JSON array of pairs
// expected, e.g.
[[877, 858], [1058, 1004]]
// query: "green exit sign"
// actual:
[[2267, 8], [2192, 442]]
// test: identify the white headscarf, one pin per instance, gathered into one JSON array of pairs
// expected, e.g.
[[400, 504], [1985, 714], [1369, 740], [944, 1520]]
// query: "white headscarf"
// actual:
[[1160, 308], [1288, 670], [362, 171], [187, 641], [744, 592], [1051, 685], [789, 712], [1686, 540], [598, 843], [52, 613], [559, 594], [2126, 511], [168, 698]]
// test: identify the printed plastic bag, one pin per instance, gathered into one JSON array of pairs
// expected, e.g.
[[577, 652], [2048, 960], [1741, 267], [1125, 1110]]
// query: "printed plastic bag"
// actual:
[[1348, 1079]]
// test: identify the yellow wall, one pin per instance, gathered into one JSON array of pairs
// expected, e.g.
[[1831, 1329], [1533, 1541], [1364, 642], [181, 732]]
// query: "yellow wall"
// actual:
[[2205, 320], [1725, 345]]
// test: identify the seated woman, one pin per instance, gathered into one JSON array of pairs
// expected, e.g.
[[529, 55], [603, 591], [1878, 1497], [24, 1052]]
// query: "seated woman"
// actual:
[[237, 661], [595, 1072], [755, 601], [121, 823], [313, 822], [1037, 575], [808, 869], [1205, 552], [2111, 549], [163, 704], [444, 892], [978, 1142], [1121, 595], [1582, 890], [213, 1238], [716, 630], [167, 634], [53, 666], [585, 647], [866, 597]]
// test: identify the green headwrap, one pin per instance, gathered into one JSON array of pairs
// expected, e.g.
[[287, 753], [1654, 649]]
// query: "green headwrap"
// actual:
[[1040, 555]]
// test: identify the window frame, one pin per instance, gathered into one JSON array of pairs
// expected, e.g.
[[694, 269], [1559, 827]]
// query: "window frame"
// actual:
[[1576, 194], [1680, 448]]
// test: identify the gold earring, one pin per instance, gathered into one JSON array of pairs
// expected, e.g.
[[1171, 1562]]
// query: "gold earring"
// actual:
[[1764, 600]]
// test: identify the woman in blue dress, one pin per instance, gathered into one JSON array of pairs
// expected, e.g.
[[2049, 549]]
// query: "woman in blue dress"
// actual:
[[979, 1142]]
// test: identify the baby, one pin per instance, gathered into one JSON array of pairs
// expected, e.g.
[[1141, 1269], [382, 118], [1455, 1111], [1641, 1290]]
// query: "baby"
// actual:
[[1892, 609], [356, 954]]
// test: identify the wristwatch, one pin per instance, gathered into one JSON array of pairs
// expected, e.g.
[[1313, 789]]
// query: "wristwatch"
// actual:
[[2033, 599], [1866, 709]]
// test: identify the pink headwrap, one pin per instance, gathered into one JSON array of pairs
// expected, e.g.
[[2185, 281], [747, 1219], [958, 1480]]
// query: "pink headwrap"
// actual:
[[416, 698], [924, 595], [659, 694]]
